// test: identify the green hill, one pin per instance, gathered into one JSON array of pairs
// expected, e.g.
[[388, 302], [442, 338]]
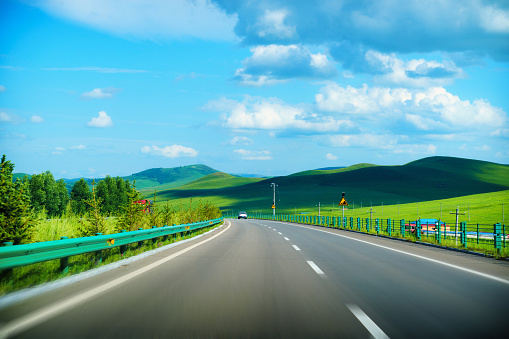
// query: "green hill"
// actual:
[[423, 180]]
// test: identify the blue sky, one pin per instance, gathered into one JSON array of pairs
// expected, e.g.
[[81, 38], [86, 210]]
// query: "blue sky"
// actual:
[[90, 88]]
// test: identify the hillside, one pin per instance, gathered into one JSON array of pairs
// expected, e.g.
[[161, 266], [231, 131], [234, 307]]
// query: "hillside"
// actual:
[[426, 179]]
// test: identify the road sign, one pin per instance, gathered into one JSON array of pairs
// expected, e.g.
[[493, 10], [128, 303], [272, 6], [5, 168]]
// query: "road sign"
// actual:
[[343, 201], [273, 206]]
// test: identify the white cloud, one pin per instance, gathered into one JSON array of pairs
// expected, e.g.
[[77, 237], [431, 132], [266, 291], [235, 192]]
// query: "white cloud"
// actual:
[[415, 149], [36, 119], [273, 64], [102, 120], [11, 118], [273, 114], [253, 155], [434, 108], [149, 19], [58, 151], [240, 141], [494, 19], [272, 25], [79, 147], [369, 140], [330, 156], [2, 88], [98, 93], [173, 151]]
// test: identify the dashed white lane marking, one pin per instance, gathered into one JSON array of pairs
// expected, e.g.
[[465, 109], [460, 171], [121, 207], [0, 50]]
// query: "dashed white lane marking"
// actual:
[[39, 316], [274, 230], [287, 239], [280, 233], [296, 248], [375, 331], [316, 268]]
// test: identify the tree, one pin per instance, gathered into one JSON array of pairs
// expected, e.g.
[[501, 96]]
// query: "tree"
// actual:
[[133, 216], [16, 217], [93, 222], [80, 193]]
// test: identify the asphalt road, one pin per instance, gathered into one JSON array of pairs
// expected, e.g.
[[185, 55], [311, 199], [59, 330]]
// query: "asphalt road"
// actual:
[[254, 278]]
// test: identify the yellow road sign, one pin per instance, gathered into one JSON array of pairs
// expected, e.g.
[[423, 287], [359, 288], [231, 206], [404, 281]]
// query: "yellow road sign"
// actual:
[[273, 206], [343, 202]]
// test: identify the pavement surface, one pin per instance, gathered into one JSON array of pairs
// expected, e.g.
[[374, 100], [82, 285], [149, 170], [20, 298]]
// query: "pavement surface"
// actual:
[[258, 278]]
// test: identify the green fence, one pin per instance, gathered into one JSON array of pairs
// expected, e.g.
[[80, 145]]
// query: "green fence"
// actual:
[[22, 255]]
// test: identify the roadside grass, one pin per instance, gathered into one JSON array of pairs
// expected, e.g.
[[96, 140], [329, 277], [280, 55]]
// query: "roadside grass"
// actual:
[[43, 272]]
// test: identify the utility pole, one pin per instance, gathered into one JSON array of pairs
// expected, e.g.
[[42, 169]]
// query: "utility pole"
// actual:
[[456, 229], [274, 201]]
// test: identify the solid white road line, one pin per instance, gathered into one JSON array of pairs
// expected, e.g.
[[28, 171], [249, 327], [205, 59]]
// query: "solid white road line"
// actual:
[[316, 268], [296, 248], [39, 316], [287, 239], [492, 277], [375, 331]]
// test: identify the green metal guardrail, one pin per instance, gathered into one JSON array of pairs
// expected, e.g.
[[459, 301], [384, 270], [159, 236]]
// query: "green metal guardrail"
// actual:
[[22, 255]]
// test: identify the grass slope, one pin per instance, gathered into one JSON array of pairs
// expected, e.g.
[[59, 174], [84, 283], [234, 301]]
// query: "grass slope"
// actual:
[[427, 179]]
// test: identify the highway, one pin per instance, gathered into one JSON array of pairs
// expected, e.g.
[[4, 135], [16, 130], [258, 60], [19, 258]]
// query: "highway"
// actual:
[[257, 278]]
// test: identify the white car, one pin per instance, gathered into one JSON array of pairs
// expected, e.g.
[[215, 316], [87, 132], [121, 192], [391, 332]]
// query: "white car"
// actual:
[[242, 215]]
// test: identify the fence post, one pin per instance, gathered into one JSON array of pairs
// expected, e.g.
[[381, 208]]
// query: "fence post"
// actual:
[[438, 233], [389, 228], [497, 237], [418, 229], [377, 225], [367, 225], [99, 254], [358, 224], [64, 262], [463, 236], [140, 243], [351, 223], [403, 229]]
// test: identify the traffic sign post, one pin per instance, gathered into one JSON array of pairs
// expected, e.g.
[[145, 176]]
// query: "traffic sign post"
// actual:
[[343, 203]]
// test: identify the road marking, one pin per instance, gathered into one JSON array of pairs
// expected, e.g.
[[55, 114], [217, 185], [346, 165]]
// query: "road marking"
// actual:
[[280, 233], [296, 248], [287, 239], [316, 268], [492, 277], [39, 316], [274, 229], [375, 331]]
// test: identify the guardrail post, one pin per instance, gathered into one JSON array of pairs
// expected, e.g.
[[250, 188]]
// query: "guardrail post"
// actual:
[[154, 240], [64, 262], [377, 225], [358, 224], [8, 272], [402, 227], [463, 236], [497, 237], [351, 223], [123, 248], [140, 243], [389, 227], [99, 254], [367, 225]]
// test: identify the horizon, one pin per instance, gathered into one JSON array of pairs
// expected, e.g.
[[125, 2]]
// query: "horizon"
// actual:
[[89, 89]]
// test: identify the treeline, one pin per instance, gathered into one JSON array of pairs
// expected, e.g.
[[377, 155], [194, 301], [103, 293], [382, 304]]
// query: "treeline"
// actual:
[[51, 198], [25, 202]]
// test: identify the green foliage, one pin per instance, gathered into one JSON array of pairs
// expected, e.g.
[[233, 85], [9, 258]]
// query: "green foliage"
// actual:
[[132, 213], [80, 193], [48, 194], [113, 192], [94, 221], [16, 218]]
